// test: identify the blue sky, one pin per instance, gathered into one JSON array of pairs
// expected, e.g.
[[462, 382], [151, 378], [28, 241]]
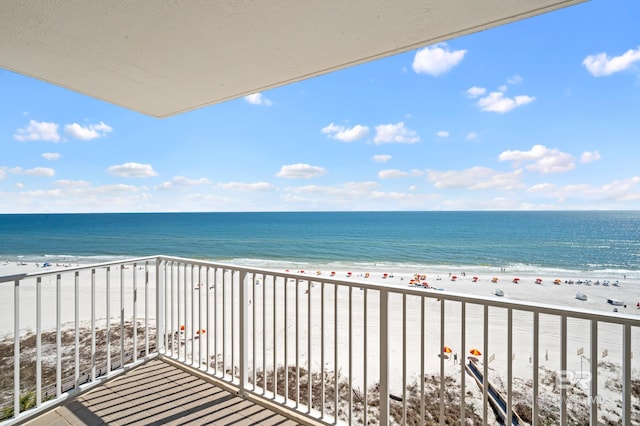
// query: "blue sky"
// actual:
[[537, 115]]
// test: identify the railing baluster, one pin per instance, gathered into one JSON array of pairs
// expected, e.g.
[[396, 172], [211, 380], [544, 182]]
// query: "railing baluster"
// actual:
[[254, 364], [404, 359], [264, 334], [39, 342], [134, 320], [224, 322], [208, 321], [169, 303], [422, 353], [233, 324], [485, 364], [350, 339], [297, 329], [275, 328], [442, 343], [364, 362], [309, 374], [509, 365], [336, 387], [193, 321], [76, 315], [536, 357], [108, 308], [322, 371], [463, 346], [563, 369], [286, 341], [59, 335], [216, 292], [188, 294], [202, 334], [593, 355], [146, 309], [626, 375], [384, 357], [243, 327], [93, 325], [122, 331], [16, 348]]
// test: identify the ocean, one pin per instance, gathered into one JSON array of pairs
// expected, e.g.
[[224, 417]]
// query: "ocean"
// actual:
[[590, 241]]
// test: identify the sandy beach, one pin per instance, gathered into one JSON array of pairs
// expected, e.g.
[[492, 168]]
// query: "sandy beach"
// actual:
[[528, 288]]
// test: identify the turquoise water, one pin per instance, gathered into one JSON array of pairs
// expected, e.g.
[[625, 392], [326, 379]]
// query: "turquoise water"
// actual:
[[586, 241]]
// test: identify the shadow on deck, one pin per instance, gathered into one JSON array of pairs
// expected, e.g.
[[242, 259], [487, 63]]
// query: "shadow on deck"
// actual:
[[158, 393]]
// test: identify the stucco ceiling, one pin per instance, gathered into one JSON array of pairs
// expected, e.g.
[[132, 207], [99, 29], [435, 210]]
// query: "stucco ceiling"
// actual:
[[166, 57]]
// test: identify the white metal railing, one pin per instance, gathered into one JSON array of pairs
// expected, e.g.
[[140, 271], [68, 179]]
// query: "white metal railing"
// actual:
[[78, 342], [340, 350]]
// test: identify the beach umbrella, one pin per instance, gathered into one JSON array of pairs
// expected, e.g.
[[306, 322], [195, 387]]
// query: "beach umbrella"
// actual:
[[475, 352], [447, 350]]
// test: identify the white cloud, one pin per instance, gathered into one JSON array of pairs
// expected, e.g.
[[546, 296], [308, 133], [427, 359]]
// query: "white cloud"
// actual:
[[300, 171], [132, 170], [601, 65], [588, 157], [497, 102], [182, 182], [38, 131], [258, 99], [40, 172], [248, 187], [346, 134], [476, 178], [86, 133], [544, 160], [471, 136], [516, 79], [474, 92], [437, 59], [394, 133], [443, 134], [619, 191], [392, 174], [381, 158], [19, 185], [3, 174], [74, 184], [50, 155]]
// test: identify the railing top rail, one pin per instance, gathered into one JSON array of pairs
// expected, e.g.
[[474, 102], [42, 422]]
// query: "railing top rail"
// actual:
[[616, 318], [63, 270]]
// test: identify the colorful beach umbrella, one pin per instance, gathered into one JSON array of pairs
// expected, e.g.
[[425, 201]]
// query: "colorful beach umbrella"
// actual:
[[475, 352], [447, 350]]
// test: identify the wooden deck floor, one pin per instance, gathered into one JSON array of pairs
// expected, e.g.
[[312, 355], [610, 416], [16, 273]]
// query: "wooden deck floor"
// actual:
[[157, 393]]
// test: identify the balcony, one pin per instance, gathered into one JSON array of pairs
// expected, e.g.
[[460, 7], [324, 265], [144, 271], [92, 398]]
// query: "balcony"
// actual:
[[173, 340]]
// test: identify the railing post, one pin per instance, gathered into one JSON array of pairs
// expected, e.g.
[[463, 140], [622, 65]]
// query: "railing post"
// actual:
[[243, 330], [384, 357]]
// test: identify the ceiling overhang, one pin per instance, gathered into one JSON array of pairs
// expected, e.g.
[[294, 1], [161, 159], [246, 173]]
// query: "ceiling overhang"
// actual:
[[166, 57]]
